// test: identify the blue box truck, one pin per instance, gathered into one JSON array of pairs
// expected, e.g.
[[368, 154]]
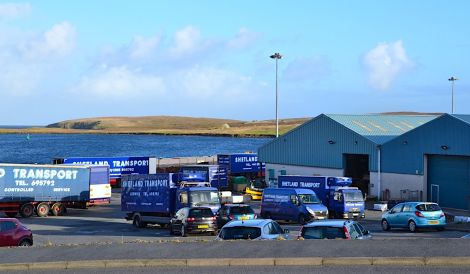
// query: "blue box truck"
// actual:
[[342, 200], [154, 198], [292, 204], [50, 189], [216, 175], [118, 166]]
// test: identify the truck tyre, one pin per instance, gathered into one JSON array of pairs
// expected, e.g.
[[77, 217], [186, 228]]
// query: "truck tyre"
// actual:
[[58, 209], [42, 210], [137, 222], [11, 214], [302, 219], [26, 210]]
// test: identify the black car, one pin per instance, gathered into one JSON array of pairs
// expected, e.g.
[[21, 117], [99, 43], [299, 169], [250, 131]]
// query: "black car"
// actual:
[[229, 212], [193, 220]]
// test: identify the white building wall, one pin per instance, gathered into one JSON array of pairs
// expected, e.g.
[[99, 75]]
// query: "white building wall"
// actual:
[[300, 170], [394, 183]]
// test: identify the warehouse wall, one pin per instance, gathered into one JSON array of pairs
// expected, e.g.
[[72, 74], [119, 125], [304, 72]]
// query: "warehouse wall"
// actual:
[[394, 183]]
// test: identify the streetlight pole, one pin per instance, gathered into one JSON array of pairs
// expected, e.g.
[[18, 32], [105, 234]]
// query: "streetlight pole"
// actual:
[[453, 79], [276, 56]]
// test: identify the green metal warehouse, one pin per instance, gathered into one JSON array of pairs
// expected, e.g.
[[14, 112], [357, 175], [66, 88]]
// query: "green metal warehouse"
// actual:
[[422, 157]]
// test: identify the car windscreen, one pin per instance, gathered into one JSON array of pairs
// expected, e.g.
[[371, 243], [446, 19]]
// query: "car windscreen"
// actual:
[[323, 232], [240, 232], [309, 199], [204, 198], [200, 212], [353, 196], [428, 207], [241, 210]]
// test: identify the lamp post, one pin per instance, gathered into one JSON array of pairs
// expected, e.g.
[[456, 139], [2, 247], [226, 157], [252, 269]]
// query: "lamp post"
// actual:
[[453, 79], [276, 56]]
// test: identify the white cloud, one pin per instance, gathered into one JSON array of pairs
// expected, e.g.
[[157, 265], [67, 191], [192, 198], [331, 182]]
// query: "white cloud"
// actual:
[[59, 41], [14, 10], [187, 40], [243, 39], [385, 63], [142, 47], [120, 82]]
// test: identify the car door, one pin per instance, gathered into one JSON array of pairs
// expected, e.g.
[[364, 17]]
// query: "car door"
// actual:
[[394, 215], [8, 229], [405, 215]]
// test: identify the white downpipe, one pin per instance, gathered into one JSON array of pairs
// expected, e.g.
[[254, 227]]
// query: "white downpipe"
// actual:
[[378, 173]]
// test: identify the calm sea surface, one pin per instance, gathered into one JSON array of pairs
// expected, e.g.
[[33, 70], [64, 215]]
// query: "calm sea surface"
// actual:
[[42, 148]]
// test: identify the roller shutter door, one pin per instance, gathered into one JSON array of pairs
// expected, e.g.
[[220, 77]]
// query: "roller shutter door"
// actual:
[[449, 181]]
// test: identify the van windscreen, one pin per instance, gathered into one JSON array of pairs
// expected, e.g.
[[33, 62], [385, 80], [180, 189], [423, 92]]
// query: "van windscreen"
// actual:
[[309, 199]]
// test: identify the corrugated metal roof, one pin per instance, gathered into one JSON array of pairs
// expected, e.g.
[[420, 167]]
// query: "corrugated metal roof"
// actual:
[[463, 117], [380, 128]]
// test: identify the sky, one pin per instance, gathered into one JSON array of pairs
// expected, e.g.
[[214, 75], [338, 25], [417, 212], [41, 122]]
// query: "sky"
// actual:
[[63, 60]]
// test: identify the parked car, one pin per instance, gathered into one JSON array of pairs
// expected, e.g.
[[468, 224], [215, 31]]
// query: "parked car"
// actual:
[[258, 229], [414, 215], [193, 220], [14, 233], [229, 212], [334, 229]]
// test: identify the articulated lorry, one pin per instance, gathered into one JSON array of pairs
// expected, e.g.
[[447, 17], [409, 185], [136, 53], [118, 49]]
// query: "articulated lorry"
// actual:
[[118, 166], [155, 198], [336, 193], [42, 189]]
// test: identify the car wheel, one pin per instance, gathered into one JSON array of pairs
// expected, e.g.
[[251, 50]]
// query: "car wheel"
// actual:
[[183, 231], [25, 242], [26, 210], [385, 225], [412, 226], [302, 219]]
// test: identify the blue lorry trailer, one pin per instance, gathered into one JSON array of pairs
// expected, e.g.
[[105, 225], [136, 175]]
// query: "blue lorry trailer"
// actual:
[[154, 198], [240, 163], [342, 200], [118, 166], [216, 175], [292, 204], [42, 189]]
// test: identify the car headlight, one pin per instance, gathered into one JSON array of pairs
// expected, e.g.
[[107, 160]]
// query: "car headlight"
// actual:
[[311, 211]]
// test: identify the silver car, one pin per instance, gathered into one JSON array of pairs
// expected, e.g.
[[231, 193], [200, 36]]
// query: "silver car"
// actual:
[[258, 229], [334, 229]]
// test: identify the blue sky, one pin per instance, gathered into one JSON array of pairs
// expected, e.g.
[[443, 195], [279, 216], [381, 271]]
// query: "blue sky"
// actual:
[[75, 59]]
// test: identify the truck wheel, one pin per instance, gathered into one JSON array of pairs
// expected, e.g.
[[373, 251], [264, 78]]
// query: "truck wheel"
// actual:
[[26, 210], [302, 219], [138, 222], [42, 210], [11, 214], [58, 209]]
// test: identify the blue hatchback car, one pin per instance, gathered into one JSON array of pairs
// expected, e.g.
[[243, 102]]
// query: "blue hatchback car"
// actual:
[[414, 215]]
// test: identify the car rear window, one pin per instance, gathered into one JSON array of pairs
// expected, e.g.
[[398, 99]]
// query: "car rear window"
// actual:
[[241, 210], [200, 212], [323, 232], [240, 232], [428, 207]]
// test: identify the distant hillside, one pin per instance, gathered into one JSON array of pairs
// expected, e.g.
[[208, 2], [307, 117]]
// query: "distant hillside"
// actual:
[[175, 125]]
